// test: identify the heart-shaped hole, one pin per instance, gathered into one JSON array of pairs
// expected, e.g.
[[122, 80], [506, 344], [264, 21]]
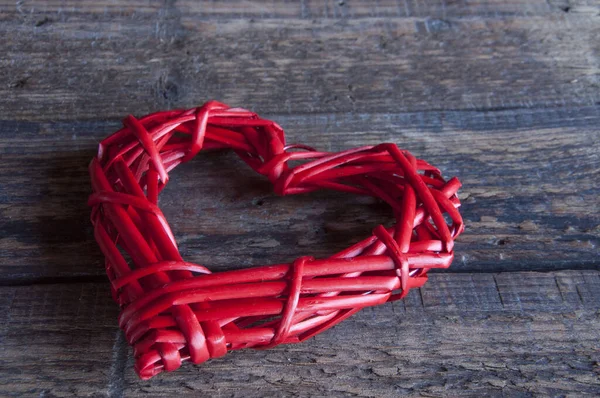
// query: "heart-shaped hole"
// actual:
[[225, 216]]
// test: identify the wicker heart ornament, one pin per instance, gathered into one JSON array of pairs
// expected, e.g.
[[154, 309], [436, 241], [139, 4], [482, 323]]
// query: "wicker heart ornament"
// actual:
[[174, 311]]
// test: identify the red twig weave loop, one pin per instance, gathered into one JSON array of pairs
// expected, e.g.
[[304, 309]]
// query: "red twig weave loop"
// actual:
[[174, 311]]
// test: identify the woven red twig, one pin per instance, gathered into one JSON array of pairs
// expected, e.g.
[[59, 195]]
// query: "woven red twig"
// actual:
[[174, 311]]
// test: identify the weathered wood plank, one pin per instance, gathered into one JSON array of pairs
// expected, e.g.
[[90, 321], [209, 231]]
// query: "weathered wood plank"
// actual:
[[269, 9], [72, 62], [517, 334], [531, 179], [57, 340]]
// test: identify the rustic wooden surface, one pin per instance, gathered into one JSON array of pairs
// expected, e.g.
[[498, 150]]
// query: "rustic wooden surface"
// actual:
[[476, 334], [505, 95]]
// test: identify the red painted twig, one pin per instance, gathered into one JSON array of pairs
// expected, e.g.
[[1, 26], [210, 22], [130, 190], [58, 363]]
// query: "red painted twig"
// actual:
[[174, 311]]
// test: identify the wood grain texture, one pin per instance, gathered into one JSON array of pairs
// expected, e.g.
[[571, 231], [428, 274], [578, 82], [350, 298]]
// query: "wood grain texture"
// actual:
[[277, 9], [78, 62], [531, 179], [502, 94], [57, 340], [517, 334]]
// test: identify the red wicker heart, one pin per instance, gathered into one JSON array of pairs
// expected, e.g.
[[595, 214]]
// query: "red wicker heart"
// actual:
[[175, 311]]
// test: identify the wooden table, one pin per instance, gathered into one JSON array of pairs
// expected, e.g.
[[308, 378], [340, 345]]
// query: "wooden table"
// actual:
[[504, 95]]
